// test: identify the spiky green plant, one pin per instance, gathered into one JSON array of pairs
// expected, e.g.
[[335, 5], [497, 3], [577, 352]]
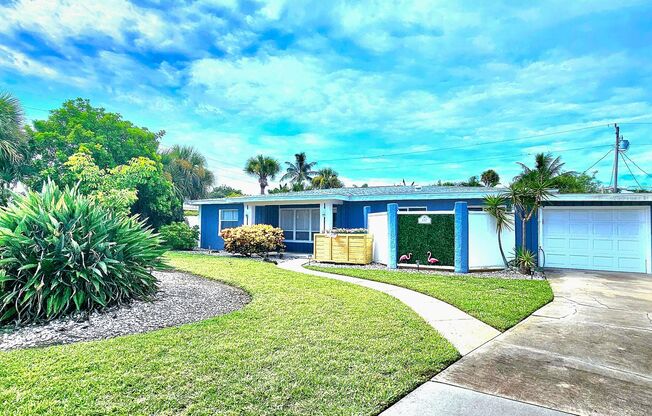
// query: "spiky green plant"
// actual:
[[61, 252]]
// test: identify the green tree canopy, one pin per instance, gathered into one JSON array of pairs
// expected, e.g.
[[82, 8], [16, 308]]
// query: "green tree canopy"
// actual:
[[224, 191], [490, 178], [327, 178], [300, 171], [187, 168], [263, 168], [77, 126], [12, 144], [138, 187]]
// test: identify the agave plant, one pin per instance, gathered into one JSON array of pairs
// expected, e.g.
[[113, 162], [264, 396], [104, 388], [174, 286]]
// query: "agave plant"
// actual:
[[61, 253]]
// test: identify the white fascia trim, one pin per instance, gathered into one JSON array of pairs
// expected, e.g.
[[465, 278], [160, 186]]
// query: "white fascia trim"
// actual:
[[601, 197], [338, 199]]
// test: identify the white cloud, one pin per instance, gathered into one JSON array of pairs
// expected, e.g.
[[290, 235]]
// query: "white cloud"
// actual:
[[59, 19], [21, 63]]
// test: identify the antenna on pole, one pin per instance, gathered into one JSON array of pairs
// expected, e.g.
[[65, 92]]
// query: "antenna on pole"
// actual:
[[616, 156]]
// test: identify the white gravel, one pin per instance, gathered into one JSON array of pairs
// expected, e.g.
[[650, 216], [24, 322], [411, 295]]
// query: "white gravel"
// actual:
[[182, 298], [498, 274]]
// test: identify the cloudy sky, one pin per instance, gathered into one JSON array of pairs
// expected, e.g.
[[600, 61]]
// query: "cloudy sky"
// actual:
[[381, 91]]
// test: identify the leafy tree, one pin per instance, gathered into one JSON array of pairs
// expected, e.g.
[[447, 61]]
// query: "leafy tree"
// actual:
[[473, 182], [263, 168], [224, 191], [78, 126], [300, 171], [490, 178], [280, 189], [327, 178], [576, 183], [138, 187], [12, 144], [495, 206], [188, 170]]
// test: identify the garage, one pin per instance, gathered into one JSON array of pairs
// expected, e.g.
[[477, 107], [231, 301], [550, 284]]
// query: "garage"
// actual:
[[616, 238]]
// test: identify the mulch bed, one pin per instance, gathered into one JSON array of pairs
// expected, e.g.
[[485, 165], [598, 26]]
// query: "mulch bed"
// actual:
[[182, 298]]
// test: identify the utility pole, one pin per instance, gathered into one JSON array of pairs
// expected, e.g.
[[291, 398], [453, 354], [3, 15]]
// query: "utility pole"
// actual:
[[617, 155]]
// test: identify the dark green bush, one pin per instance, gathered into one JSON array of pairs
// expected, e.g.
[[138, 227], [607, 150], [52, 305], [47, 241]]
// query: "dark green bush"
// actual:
[[60, 253], [418, 239], [179, 236]]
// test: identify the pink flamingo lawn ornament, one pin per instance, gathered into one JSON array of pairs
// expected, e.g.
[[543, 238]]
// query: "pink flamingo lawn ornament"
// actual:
[[432, 260], [405, 257]]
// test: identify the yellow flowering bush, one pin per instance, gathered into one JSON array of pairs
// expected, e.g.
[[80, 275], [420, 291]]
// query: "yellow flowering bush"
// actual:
[[253, 239]]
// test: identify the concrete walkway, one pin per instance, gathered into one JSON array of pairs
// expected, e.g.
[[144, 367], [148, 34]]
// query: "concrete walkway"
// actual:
[[465, 332]]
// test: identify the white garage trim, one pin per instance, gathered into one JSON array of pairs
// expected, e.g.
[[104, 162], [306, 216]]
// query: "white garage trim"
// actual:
[[646, 237]]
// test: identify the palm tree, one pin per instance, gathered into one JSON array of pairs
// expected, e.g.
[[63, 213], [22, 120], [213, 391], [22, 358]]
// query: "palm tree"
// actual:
[[299, 171], [187, 167], [545, 166], [490, 178], [12, 140], [326, 179], [11, 121], [495, 206], [264, 168], [526, 196]]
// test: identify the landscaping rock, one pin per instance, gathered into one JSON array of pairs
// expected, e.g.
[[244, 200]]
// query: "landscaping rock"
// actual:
[[182, 298], [497, 274]]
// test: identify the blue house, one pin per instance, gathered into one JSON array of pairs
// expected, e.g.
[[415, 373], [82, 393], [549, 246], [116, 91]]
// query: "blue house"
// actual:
[[582, 231]]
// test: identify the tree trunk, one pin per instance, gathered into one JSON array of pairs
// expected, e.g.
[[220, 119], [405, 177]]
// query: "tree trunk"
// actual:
[[502, 253], [262, 189], [523, 233]]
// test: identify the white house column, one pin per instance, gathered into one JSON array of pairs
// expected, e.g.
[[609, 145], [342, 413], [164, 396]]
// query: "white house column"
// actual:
[[249, 214], [200, 225], [326, 216]]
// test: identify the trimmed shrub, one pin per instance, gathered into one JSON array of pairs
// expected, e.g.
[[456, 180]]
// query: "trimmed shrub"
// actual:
[[253, 239], [437, 237], [179, 236], [61, 253]]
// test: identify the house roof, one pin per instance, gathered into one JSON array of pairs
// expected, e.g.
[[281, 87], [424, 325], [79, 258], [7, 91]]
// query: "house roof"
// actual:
[[372, 193], [405, 193]]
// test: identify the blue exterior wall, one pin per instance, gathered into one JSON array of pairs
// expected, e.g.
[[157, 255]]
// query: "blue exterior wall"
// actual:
[[210, 236], [351, 215]]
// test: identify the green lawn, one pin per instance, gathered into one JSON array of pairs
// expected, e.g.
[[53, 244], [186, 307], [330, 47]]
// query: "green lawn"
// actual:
[[501, 303], [304, 345]]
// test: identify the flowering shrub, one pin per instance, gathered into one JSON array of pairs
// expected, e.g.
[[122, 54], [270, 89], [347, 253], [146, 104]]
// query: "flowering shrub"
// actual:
[[253, 239], [349, 231]]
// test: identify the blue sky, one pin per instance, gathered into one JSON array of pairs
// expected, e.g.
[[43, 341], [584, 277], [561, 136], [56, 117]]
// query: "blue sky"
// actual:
[[350, 83]]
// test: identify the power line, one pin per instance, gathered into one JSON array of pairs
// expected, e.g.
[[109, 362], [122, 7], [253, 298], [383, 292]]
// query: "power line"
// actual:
[[599, 160], [463, 146], [475, 160], [639, 168], [632, 173]]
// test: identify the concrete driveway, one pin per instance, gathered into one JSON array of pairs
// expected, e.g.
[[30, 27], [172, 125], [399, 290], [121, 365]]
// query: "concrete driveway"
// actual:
[[588, 352]]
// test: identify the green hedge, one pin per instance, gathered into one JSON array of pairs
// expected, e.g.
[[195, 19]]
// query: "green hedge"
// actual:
[[418, 239]]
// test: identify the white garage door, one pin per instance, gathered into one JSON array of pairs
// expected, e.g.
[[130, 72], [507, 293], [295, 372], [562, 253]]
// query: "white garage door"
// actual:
[[605, 238]]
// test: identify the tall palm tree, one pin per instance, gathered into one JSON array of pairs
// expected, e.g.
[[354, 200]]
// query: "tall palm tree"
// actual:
[[11, 121], [495, 206], [263, 168], [299, 171], [326, 179], [187, 167], [12, 141], [545, 167]]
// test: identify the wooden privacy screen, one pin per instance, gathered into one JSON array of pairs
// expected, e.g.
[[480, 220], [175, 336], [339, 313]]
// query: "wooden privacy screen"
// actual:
[[344, 248]]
